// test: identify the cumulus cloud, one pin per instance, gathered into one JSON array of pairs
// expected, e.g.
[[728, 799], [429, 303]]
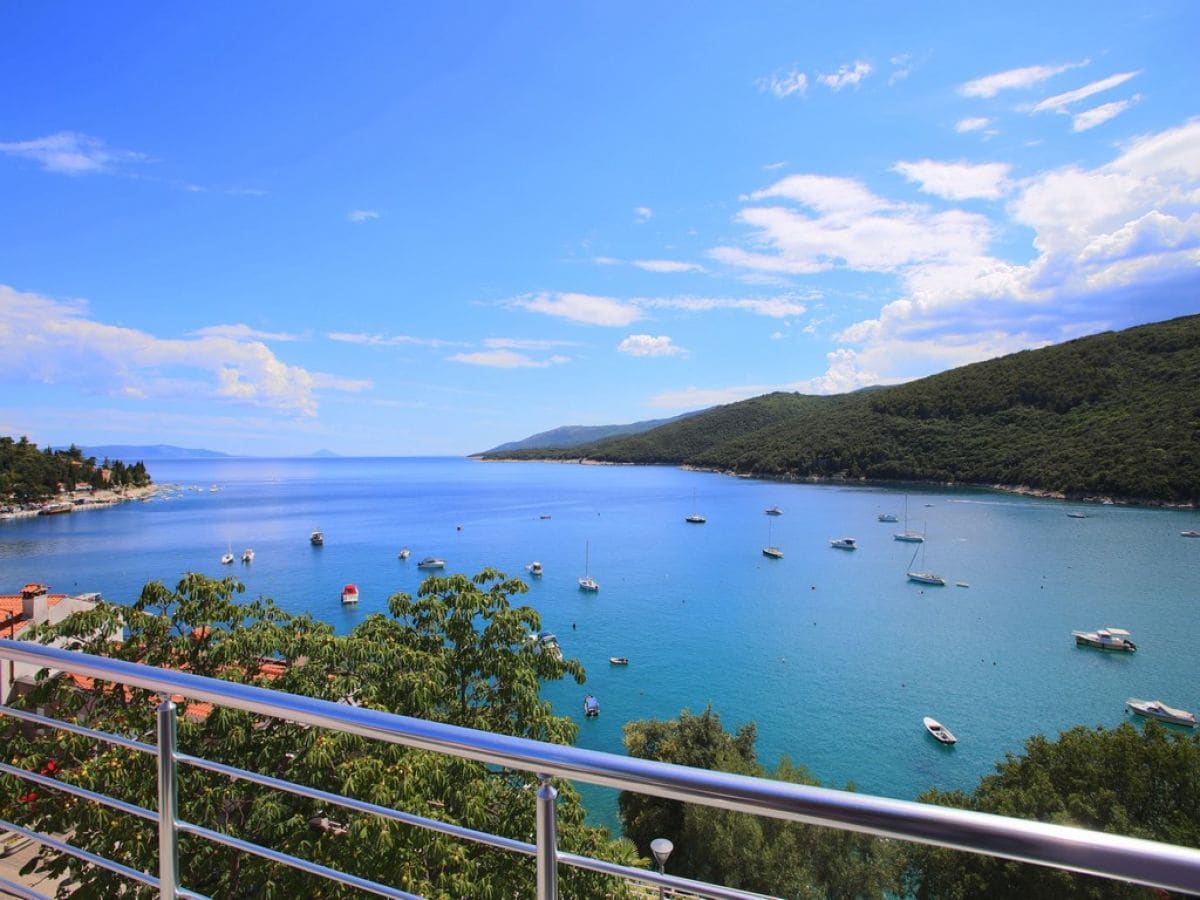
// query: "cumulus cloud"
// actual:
[[506, 359], [642, 214], [586, 309], [242, 332], [1059, 102], [846, 76], [667, 265], [1090, 118], [975, 123], [957, 181], [785, 84], [1027, 77], [71, 153], [51, 341], [648, 345], [362, 215]]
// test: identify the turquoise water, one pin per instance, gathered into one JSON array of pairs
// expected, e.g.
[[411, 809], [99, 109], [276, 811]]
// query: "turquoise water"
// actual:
[[834, 655]]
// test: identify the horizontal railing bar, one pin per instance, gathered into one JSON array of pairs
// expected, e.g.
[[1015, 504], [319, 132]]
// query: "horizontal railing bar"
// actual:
[[87, 856], [81, 792], [19, 890], [1091, 852], [312, 868], [74, 728], [699, 888]]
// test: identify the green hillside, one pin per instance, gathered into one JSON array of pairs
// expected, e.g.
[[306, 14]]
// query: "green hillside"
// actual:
[[1114, 414]]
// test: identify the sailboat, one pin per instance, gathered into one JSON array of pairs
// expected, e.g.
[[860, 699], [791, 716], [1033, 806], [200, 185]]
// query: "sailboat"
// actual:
[[771, 550], [587, 582], [923, 577], [912, 537], [695, 518]]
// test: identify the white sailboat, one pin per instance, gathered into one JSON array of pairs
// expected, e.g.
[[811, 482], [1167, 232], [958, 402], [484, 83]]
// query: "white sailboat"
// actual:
[[771, 550], [587, 582], [912, 537], [923, 577], [695, 518]]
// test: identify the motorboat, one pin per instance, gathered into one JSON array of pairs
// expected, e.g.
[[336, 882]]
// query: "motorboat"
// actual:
[[887, 517], [227, 558], [695, 519], [587, 582], [431, 562], [1105, 639], [248, 555], [774, 511], [404, 553], [350, 594], [1077, 515], [591, 706], [316, 538], [939, 731], [549, 644], [843, 544], [619, 660], [535, 569], [1156, 709], [1195, 534]]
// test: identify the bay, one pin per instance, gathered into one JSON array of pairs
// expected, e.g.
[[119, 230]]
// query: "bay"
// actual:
[[834, 655]]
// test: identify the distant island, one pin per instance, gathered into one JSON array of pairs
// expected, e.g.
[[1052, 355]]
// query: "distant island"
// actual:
[[150, 451], [1112, 416], [580, 435]]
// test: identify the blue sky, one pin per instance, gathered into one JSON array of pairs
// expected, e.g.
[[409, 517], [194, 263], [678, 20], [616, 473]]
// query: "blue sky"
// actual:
[[272, 228]]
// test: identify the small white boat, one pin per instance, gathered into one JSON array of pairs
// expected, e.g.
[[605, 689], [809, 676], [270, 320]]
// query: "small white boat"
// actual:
[[350, 594], [317, 538], [431, 562], [587, 582], [774, 511], [843, 544], [404, 553], [535, 569], [1156, 709], [619, 660], [695, 519], [1105, 639], [1195, 534], [887, 517], [591, 706], [908, 536], [248, 555], [549, 644], [1077, 515], [227, 558], [773, 552], [939, 731], [923, 577]]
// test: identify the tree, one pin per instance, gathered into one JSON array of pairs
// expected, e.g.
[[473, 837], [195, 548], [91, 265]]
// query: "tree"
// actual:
[[737, 849], [1124, 781], [457, 653]]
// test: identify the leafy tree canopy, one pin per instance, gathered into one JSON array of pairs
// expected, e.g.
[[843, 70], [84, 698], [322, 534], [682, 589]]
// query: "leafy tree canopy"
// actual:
[[28, 474]]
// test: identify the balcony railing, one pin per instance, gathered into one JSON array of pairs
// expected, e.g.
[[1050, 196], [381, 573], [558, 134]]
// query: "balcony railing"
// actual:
[[1078, 850]]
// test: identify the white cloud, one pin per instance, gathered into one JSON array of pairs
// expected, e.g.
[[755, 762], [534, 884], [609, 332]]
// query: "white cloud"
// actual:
[[1090, 118], [647, 345], [55, 342], [775, 166], [1059, 102], [584, 308], [71, 153], [772, 307], [242, 332], [975, 123], [642, 214], [846, 76], [496, 343], [785, 84], [667, 265], [957, 181], [1027, 77], [393, 340], [506, 359], [362, 215]]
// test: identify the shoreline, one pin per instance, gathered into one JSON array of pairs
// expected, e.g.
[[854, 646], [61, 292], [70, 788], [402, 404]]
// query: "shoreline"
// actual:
[[86, 500]]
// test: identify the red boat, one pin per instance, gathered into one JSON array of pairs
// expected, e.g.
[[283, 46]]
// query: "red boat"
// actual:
[[350, 594]]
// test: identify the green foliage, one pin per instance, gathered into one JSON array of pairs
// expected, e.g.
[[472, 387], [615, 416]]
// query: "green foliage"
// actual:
[[458, 653], [1136, 783], [1114, 414], [28, 474], [736, 849]]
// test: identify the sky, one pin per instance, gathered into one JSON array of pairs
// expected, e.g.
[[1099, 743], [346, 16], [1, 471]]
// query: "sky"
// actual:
[[396, 229]]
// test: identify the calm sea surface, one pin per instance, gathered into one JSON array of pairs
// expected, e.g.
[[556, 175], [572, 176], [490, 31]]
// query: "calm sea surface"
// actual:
[[834, 655]]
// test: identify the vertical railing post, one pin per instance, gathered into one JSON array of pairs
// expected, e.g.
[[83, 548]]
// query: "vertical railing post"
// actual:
[[547, 841], [168, 802]]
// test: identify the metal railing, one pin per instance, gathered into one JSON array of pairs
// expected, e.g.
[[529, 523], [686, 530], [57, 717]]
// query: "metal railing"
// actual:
[[1079, 850]]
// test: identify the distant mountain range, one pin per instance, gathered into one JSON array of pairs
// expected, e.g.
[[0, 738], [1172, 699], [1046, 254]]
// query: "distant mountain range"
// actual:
[[579, 435], [135, 452], [1109, 415]]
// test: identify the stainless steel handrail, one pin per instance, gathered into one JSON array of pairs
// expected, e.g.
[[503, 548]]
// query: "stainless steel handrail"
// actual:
[[1097, 853]]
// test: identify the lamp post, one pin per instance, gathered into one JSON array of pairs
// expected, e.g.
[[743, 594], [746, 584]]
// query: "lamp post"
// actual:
[[661, 848]]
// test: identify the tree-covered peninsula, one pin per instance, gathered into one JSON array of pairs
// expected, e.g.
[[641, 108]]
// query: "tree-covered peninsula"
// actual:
[[28, 474], [1113, 415]]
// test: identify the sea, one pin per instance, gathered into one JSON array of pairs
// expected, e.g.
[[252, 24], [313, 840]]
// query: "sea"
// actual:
[[834, 655]]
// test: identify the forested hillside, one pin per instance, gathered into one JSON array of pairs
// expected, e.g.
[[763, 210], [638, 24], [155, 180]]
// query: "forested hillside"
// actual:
[[29, 474], [1114, 414]]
